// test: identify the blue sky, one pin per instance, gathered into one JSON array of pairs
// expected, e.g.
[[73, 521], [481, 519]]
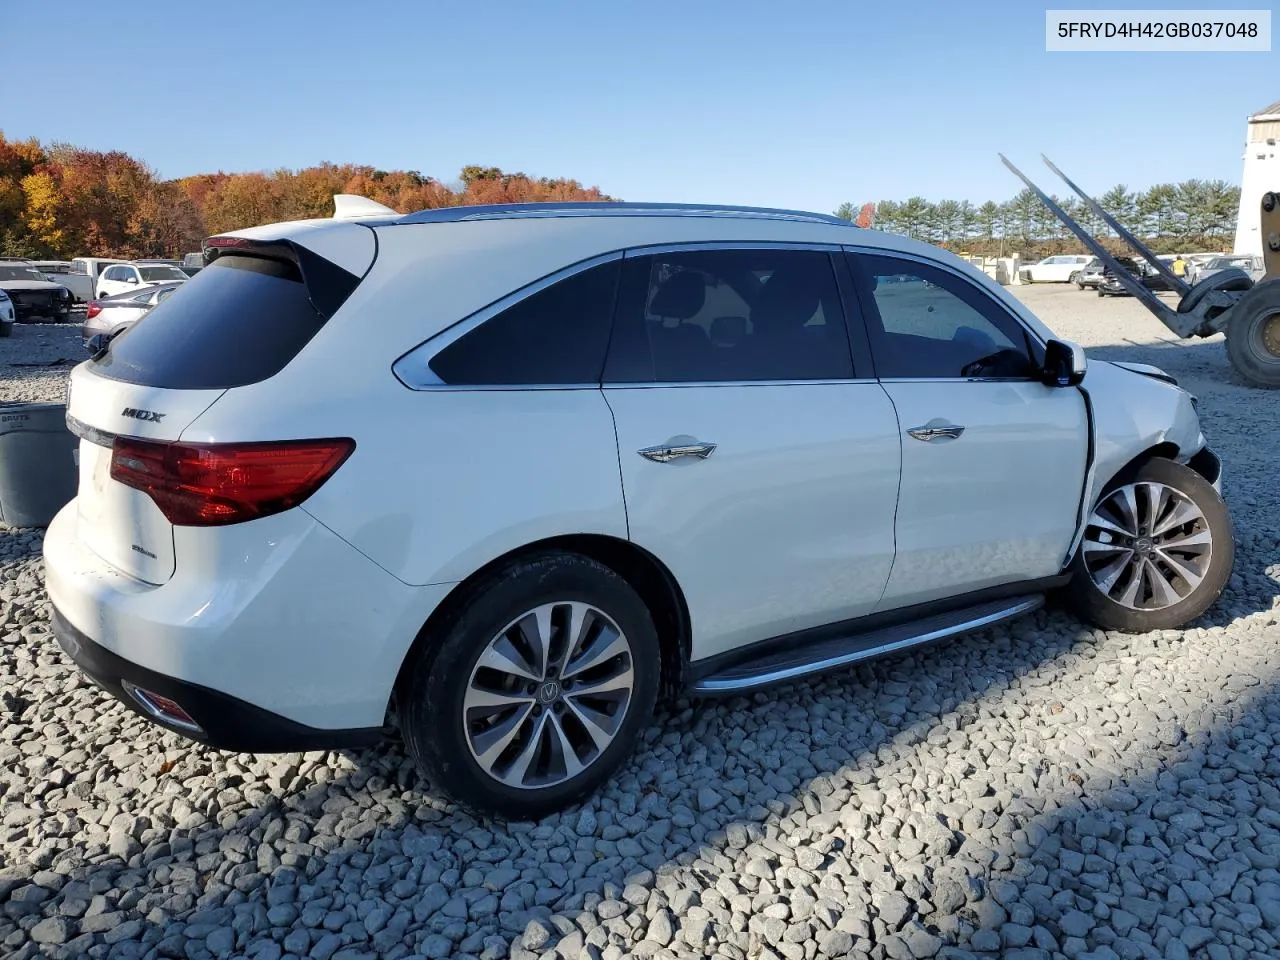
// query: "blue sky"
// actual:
[[801, 104]]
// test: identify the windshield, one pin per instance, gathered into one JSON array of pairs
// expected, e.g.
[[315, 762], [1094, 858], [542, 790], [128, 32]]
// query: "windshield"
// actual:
[[9, 272], [155, 274]]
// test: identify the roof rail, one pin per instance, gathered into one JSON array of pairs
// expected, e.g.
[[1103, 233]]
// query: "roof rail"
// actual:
[[588, 208]]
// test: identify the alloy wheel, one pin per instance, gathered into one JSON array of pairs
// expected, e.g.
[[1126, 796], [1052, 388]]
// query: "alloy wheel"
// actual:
[[548, 695], [1147, 546]]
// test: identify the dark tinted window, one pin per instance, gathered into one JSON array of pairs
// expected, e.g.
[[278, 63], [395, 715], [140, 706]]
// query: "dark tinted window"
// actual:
[[557, 335], [928, 322], [730, 315], [239, 321]]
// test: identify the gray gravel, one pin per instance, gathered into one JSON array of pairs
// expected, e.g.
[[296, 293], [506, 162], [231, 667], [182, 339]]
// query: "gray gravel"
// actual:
[[35, 359], [1042, 790]]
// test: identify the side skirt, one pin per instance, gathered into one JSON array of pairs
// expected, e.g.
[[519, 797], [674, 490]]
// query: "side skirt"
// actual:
[[814, 652]]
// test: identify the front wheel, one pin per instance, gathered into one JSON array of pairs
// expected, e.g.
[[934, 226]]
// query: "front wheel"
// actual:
[[1253, 335], [1157, 551], [536, 691]]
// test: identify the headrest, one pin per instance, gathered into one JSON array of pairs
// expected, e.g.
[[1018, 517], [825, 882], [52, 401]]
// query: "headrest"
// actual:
[[681, 297], [789, 300]]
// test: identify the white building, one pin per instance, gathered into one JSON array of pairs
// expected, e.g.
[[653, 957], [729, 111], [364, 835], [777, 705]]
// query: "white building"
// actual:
[[1261, 173]]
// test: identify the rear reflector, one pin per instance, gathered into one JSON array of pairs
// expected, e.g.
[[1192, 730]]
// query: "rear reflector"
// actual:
[[162, 708], [207, 485]]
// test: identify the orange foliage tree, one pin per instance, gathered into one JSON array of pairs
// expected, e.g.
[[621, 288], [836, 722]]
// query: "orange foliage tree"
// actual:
[[63, 201]]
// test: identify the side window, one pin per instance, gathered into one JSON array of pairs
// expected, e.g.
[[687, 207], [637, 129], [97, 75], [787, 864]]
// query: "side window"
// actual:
[[110, 274], [79, 267], [730, 315], [930, 323], [555, 336]]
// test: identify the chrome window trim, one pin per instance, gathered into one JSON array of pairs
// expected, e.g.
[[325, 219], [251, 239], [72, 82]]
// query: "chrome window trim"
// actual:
[[677, 384], [514, 211], [948, 268], [707, 246], [413, 369]]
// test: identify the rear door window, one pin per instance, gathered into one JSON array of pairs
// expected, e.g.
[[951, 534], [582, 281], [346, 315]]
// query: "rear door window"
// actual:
[[239, 321], [734, 315]]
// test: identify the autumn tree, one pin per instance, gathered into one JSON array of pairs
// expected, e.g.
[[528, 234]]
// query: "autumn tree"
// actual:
[[63, 201]]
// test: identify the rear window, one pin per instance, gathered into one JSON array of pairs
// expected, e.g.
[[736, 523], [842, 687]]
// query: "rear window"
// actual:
[[239, 321], [159, 274]]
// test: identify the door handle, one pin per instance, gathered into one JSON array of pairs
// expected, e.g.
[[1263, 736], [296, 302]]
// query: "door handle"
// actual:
[[936, 430], [666, 452]]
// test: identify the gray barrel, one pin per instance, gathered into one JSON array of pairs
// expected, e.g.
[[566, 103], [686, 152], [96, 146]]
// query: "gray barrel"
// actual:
[[38, 473]]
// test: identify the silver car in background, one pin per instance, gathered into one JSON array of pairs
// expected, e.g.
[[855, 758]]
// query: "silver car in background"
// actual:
[[1249, 264], [112, 315]]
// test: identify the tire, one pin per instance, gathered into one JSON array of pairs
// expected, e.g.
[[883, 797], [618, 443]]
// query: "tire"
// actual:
[[1080, 284], [1193, 496], [1253, 335], [447, 738]]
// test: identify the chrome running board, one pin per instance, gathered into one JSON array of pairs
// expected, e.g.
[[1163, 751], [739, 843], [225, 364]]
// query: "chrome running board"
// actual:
[[834, 653]]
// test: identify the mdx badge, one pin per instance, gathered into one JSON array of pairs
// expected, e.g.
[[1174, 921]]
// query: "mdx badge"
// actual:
[[149, 415]]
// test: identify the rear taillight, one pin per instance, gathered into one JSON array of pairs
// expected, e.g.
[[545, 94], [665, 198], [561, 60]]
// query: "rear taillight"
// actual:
[[92, 310], [207, 485]]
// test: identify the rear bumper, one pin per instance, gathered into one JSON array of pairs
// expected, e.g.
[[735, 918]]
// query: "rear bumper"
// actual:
[[221, 720], [276, 619]]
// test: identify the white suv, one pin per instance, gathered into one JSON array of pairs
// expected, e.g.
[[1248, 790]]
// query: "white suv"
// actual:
[[123, 277], [1058, 269], [493, 477]]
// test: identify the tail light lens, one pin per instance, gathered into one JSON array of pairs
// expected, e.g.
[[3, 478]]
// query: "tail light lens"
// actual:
[[208, 485], [92, 310]]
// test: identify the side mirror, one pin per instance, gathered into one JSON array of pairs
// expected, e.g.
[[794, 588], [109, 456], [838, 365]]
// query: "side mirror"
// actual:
[[130, 279], [1064, 364]]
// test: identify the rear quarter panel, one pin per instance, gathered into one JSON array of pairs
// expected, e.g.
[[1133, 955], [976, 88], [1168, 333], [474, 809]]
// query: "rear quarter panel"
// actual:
[[441, 483]]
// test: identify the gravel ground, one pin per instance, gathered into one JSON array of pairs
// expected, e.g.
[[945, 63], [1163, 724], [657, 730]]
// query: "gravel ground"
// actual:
[[1034, 791], [35, 359]]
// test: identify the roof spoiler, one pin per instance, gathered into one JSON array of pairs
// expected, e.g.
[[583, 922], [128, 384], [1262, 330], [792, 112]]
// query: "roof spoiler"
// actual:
[[349, 206]]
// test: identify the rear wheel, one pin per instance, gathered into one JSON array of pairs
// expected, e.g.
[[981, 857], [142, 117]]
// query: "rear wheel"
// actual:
[[1157, 551], [538, 689], [1253, 335]]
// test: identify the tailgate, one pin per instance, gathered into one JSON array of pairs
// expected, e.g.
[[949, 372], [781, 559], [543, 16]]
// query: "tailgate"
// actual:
[[120, 524]]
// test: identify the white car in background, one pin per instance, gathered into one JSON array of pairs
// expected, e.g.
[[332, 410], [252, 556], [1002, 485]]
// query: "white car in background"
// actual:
[[82, 276], [120, 277], [7, 316], [494, 477], [1056, 269]]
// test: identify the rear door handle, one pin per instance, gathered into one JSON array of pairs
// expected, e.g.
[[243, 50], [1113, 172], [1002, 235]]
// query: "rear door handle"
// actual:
[[666, 452], [936, 430]]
